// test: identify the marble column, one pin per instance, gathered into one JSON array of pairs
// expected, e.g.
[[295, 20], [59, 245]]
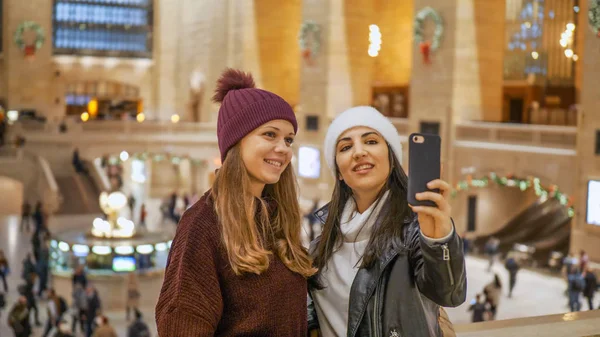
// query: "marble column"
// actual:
[[195, 42], [464, 79], [583, 235], [21, 91], [325, 86]]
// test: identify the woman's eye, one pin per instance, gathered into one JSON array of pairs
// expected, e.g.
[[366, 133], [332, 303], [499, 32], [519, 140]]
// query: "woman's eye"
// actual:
[[289, 141], [372, 141], [270, 134], [345, 148]]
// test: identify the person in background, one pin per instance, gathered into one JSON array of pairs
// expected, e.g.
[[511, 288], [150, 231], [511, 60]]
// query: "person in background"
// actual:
[[131, 203], [25, 217], [3, 127], [576, 284], [133, 293], [76, 161], [43, 265], [584, 259], [104, 328], [491, 250], [36, 245], [93, 309], [79, 277], [28, 271], [63, 330], [512, 265], [172, 204], [179, 208], [18, 318], [591, 285], [2, 303], [27, 291], [493, 292], [143, 214], [80, 304], [4, 269], [186, 202], [138, 328], [569, 262], [56, 308], [39, 219], [479, 308]]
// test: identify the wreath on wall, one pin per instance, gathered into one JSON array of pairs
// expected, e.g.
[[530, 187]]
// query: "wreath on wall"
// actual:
[[30, 48], [594, 16], [309, 40], [426, 46]]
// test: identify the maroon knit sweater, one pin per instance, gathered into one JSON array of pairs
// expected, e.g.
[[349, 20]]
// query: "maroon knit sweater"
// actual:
[[201, 295]]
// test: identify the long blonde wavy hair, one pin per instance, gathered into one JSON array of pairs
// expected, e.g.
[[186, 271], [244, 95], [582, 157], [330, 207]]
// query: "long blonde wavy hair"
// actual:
[[252, 229]]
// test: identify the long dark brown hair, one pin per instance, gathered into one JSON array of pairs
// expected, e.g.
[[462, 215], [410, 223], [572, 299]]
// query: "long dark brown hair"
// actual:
[[253, 227], [388, 226]]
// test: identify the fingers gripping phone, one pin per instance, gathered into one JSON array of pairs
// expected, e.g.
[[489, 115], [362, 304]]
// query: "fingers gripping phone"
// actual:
[[424, 152]]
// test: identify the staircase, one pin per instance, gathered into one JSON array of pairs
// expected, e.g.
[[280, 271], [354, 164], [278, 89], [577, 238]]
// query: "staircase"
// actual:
[[80, 194]]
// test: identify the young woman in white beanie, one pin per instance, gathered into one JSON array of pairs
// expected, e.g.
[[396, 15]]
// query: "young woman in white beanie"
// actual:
[[385, 268]]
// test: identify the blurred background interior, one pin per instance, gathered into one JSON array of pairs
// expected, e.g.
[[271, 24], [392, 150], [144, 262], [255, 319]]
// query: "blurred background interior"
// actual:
[[108, 134]]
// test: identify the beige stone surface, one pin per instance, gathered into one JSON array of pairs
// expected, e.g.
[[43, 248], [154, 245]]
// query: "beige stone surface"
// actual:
[[586, 236], [277, 26], [393, 65]]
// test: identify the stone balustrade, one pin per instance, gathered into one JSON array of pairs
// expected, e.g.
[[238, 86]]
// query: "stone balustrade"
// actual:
[[583, 323], [562, 137]]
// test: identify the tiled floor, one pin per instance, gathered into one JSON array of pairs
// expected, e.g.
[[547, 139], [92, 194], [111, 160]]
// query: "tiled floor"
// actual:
[[534, 295]]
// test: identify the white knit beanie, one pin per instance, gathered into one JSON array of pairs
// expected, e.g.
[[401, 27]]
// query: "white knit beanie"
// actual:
[[360, 116]]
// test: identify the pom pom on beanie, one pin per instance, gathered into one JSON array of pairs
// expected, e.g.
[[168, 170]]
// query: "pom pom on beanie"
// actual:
[[232, 79]]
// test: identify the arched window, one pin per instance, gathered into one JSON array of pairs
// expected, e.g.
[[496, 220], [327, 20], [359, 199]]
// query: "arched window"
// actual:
[[121, 28]]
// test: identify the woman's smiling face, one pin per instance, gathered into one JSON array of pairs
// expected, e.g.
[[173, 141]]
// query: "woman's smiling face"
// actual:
[[362, 159]]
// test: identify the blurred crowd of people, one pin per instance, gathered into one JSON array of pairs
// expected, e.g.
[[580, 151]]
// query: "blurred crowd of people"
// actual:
[[580, 278], [85, 310]]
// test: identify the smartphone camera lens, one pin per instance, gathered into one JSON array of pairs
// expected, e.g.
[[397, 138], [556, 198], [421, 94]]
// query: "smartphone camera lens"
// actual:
[[415, 138]]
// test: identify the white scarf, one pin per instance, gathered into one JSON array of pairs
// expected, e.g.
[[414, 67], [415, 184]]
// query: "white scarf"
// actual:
[[332, 302]]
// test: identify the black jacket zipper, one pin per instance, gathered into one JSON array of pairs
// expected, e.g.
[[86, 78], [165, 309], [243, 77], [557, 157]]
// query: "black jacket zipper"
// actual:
[[447, 259]]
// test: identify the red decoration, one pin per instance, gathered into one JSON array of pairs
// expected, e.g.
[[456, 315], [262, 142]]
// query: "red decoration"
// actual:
[[425, 47], [29, 50], [307, 56]]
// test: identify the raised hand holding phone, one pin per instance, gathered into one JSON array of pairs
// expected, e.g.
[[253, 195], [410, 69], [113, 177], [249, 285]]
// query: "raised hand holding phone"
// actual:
[[428, 194]]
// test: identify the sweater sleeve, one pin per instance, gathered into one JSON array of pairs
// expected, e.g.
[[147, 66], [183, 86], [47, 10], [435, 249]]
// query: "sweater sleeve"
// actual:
[[190, 302]]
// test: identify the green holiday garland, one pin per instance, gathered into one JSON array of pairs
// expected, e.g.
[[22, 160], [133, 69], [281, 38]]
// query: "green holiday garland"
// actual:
[[594, 16], [522, 184], [309, 38], [438, 33], [39, 35]]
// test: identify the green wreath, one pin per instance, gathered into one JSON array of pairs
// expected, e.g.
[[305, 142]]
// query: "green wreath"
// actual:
[[39, 35], [309, 38], [594, 16], [420, 18]]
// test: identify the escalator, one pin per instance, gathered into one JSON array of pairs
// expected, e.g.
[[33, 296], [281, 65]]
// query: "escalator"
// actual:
[[544, 226], [79, 193]]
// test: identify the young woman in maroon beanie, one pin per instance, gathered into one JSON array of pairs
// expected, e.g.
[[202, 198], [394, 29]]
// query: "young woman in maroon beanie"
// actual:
[[237, 266]]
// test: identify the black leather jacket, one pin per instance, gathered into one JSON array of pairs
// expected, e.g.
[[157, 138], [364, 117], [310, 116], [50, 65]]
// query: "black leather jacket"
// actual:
[[401, 295]]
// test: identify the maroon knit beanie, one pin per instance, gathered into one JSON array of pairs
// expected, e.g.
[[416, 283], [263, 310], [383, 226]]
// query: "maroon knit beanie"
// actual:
[[244, 108]]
